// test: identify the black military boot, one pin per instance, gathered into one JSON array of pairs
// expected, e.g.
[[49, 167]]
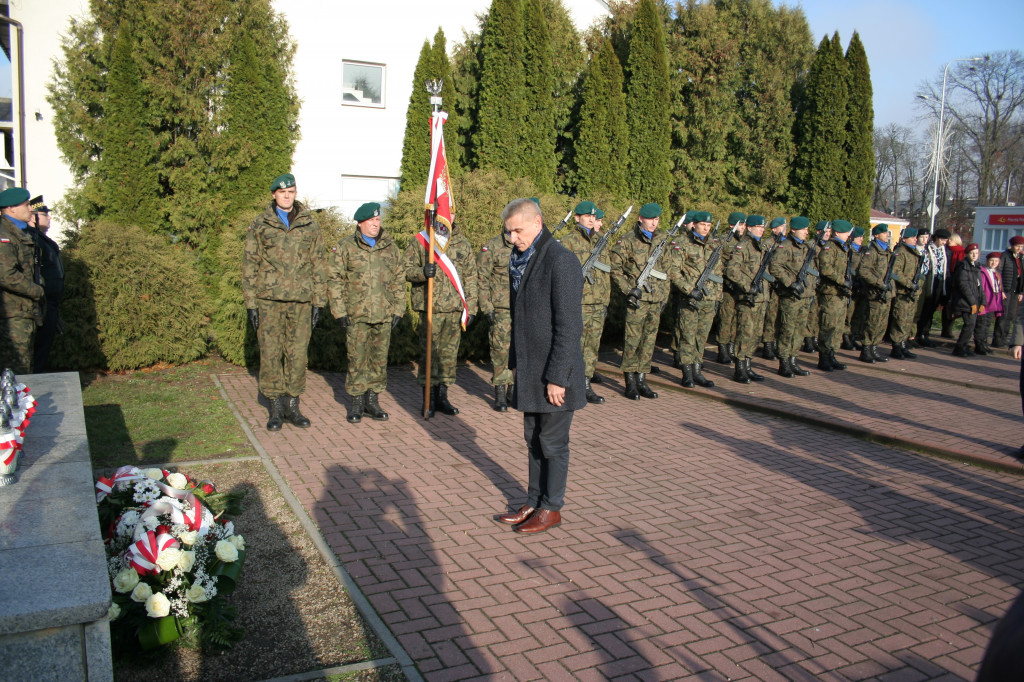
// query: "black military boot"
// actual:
[[591, 396], [797, 369], [857, 345], [907, 353], [274, 422], [958, 351], [631, 389], [866, 355], [847, 343], [642, 388], [771, 350], [876, 356], [731, 347], [815, 345], [501, 399], [823, 362], [688, 376], [897, 352], [292, 414], [754, 376], [835, 363], [355, 410], [442, 401], [700, 379], [785, 369], [723, 354], [807, 346], [372, 408], [597, 379], [739, 375]]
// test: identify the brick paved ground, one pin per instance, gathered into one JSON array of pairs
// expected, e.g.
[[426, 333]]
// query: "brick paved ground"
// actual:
[[700, 539]]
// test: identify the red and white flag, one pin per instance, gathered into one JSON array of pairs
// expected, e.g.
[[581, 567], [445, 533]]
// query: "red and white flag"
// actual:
[[439, 194]]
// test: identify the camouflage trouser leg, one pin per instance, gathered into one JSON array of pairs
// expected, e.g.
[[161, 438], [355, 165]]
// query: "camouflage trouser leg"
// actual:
[[749, 323], [792, 324], [696, 326], [832, 316], [903, 328], [878, 319], [770, 332], [285, 328], [444, 355], [17, 344], [593, 325], [812, 317], [367, 346], [859, 316], [727, 319], [500, 338], [641, 333]]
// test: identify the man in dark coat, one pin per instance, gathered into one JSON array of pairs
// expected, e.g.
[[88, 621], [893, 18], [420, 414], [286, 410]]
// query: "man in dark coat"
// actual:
[[967, 301], [1011, 268], [547, 324]]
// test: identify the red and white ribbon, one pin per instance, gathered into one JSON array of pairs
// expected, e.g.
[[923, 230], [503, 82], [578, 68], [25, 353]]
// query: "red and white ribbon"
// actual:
[[448, 267], [144, 553], [104, 486]]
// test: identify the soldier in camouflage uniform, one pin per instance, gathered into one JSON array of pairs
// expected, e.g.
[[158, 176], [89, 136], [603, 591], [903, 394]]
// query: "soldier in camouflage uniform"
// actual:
[[835, 286], [821, 234], [367, 289], [581, 240], [643, 308], [21, 292], [906, 291], [871, 270], [453, 310], [794, 296], [284, 284], [857, 312], [770, 333], [740, 272], [492, 269], [726, 335], [697, 311]]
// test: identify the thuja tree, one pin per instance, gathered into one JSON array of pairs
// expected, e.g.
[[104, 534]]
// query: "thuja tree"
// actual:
[[602, 132], [432, 65], [860, 152], [540, 160]]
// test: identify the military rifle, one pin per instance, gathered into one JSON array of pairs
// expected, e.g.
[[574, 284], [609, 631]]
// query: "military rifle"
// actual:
[[915, 283], [700, 286], [595, 253], [560, 226], [800, 283], [649, 271], [762, 274], [887, 280]]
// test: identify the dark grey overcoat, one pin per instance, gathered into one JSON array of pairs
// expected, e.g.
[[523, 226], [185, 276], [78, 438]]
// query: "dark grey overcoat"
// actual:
[[547, 326]]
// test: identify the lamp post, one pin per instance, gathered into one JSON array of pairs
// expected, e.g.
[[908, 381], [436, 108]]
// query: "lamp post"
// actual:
[[938, 136]]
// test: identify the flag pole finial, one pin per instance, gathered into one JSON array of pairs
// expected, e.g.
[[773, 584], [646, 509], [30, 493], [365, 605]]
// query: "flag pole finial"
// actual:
[[434, 88]]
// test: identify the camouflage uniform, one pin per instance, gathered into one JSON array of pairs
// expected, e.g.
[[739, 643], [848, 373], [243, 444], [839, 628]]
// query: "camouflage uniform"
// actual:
[[786, 264], [595, 296], [833, 293], [740, 272], [694, 326], [492, 269], [770, 332], [857, 313], [284, 276], [727, 312], [367, 285], [873, 264], [627, 259], [904, 305], [447, 304], [20, 297]]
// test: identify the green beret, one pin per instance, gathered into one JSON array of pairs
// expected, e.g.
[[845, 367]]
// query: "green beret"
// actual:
[[799, 223], [368, 210], [283, 181], [737, 217], [535, 200], [777, 222], [688, 217], [820, 225], [842, 226], [598, 213], [12, 196], [586, 208], [651, 210], [879, 229], [857, 232], [701, 217], [754, 220], [910, 232]]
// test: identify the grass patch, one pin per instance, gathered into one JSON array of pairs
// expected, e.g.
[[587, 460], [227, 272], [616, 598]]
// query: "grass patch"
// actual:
[[162, 414]]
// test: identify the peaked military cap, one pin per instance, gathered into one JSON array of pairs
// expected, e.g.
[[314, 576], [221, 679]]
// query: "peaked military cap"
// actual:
[[842, 226], [368, 210], [283, 181], [38, 205], [857, 232], [910, 232], [879, 229], [799, 223], [737, 217], [12, 196], [598, 213], [651, 210], [585, 208], [754, 220], [777, 222]]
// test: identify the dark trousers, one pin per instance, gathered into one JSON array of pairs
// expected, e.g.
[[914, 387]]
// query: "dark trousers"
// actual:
[[1004, 324], [547, 443], [931, 304], [967, 333], [45, 336], [983, 330]]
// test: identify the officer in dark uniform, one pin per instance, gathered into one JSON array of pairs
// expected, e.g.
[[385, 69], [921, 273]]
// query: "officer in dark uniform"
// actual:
[[52, 271]]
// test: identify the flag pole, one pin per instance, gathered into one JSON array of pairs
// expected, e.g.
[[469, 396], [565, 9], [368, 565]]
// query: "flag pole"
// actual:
[[434, 88]]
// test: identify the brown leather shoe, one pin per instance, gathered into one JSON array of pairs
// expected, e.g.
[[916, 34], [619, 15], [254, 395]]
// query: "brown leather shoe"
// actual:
[[543, 520], [517, 516]]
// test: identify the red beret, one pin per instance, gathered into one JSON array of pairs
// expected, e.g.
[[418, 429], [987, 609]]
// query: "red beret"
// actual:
[[971, 247], [994, 254], [1016, 241]]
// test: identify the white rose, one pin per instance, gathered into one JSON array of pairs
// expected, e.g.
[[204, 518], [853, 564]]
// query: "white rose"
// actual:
[[225, 551], [158, 606], [188, 537], [142, 592], [196, 594], [155, 474], [168, 559], [187, 561], [126, 580], [238, 541], [177, 481], [229, 528], [114, 611]]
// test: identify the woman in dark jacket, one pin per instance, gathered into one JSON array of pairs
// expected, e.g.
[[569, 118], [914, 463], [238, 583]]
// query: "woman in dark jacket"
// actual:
[[968, 301]]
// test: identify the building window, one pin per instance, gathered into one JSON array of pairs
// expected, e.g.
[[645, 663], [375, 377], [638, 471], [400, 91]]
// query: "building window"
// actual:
[[362, 84]]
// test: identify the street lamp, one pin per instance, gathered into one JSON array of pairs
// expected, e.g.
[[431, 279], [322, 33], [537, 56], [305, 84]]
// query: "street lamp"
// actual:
[[938, 135]]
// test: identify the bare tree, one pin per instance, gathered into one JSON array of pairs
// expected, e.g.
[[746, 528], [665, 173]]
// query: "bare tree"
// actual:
[[898, 161]]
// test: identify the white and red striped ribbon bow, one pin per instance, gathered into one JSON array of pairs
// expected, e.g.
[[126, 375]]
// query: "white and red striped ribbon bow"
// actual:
[[193, 519], [144, 552], [8, 448], [106, 485]]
